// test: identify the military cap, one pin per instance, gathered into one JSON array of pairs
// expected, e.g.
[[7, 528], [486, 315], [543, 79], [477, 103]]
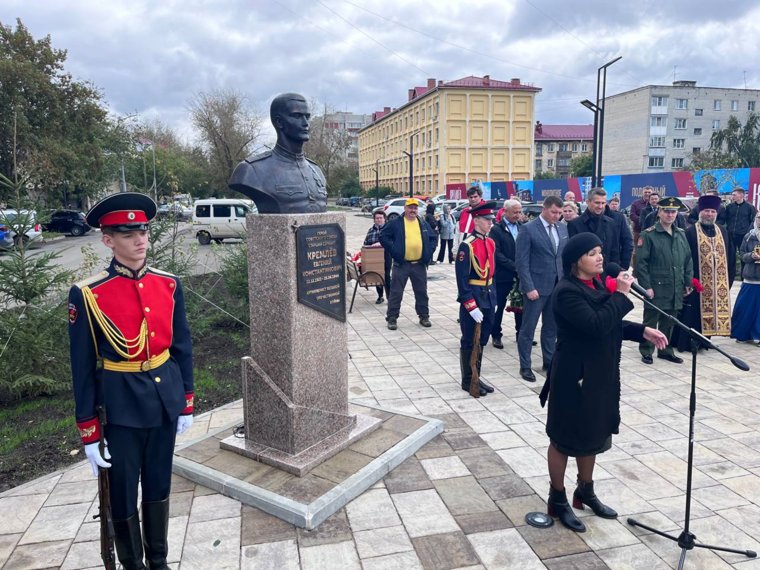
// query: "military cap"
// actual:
[[123, 212], [708, 202], [484, 210], [670, 203]]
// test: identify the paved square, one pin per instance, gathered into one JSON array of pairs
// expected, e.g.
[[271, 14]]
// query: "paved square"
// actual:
[[461, 500]]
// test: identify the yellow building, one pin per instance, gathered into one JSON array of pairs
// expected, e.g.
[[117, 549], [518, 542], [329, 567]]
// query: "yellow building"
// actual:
[[457, 132]]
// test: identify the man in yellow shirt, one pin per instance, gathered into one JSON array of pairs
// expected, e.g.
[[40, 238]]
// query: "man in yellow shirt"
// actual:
[[411, 243]]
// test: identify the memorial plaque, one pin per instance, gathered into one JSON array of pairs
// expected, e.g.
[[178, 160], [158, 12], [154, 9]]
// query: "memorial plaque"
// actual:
[[321, 269]]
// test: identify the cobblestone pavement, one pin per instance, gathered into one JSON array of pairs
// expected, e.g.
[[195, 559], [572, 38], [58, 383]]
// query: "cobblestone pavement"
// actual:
[[460, 501]]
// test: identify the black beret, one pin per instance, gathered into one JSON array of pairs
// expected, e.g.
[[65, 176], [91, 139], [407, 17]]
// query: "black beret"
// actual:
[[576, 247]]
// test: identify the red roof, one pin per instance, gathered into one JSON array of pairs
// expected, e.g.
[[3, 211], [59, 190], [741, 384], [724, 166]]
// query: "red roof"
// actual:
[[564, 132], [487, 83]]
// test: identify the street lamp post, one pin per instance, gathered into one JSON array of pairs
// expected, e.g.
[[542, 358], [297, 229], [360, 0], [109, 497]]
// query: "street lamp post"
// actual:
[[598, 110], [377, 183], [410, 154]]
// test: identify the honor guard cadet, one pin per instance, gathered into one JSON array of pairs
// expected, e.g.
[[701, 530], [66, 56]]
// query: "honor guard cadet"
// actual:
[[476, 293], [131, 356]]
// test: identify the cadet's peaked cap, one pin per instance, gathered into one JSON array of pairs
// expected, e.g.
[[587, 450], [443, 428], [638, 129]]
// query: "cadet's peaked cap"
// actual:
[[123, 212], [708, 202], [670, 203], [484, 210]]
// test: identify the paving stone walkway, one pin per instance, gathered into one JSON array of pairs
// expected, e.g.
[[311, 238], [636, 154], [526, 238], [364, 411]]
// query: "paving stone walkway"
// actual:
[[460, 501]]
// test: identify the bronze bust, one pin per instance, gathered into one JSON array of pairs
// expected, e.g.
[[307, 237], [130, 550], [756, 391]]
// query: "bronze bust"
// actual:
[[283, 180]]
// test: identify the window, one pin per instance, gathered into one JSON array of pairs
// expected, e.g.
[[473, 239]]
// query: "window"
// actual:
[[563, 162], [716, 124], [680, 124], [539, 149], [222, 211], [423, 163], [678, 143], [657, 121], [676, 163], [696, 150], [716, 105], [656, 142], [575, 147], [538, 165], [241, 211], [656, 162], [697, 132], [734, 105], [659, 101], [550, 147], [550, 163], [682, 103], [563, 147], [203, 211], [698, 112], [750, 105], [584, 147]]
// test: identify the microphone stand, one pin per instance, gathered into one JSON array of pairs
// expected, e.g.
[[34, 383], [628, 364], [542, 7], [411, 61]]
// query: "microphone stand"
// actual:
[[686, 540]]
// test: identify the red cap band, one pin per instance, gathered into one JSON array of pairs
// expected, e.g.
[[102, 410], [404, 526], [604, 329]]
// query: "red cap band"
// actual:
[[123, 218]]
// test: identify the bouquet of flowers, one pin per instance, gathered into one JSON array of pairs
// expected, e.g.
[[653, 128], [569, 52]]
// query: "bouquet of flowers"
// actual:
[[515, 299]]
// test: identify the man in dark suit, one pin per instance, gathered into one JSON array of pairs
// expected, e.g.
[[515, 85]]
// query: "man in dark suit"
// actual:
[[538, 257], [504, 235], [625, 239], [594, 221]]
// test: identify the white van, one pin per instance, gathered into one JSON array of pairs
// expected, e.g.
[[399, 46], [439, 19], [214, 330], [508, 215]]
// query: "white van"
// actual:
[[220, 218]]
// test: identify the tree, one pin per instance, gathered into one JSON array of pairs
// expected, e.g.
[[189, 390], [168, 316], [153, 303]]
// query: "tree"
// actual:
[[542, 175], [229, 129], [582, 165], [739, 144], [57, 126]]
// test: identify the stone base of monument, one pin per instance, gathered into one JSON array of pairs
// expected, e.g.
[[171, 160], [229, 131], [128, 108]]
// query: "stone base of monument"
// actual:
[[308, 500]]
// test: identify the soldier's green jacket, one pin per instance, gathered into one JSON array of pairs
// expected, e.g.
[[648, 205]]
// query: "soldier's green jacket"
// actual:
[[663, 264]]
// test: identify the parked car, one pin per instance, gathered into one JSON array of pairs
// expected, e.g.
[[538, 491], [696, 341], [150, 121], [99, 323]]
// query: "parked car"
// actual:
[[342, 201], [439, 198], [355, 201], [220, 218], [395, 208], [370, 206], [67, 222], [10, 219], [178, 211]]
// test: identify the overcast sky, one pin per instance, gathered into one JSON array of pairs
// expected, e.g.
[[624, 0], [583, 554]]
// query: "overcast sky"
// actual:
[[151, 57]]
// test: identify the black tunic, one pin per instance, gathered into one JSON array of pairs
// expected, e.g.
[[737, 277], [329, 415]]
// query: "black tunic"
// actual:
[[584, 379]]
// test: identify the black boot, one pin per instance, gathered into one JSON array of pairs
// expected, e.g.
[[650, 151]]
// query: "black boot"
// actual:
[[584, 495], [155, 515], [487, 387], [128, 542], [464, 366], [559, 507]]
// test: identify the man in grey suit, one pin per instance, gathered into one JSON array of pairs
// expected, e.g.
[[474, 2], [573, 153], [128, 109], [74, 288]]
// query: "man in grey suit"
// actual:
[[538, 257]]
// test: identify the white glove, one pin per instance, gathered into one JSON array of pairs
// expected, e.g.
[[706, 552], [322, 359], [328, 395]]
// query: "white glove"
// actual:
[[477, 315], [94, 457], [184, 423]]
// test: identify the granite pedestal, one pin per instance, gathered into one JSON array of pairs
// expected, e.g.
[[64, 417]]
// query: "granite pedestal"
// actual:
[[295, 384]]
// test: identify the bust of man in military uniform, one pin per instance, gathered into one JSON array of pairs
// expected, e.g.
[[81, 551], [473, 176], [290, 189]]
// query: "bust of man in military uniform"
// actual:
[[283, 180]]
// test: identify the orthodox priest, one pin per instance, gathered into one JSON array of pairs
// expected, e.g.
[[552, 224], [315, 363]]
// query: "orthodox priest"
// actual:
[[708, 307]]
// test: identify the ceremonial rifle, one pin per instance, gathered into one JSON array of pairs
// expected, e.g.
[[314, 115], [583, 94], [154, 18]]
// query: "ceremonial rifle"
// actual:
[[107, 552], [476, 348]]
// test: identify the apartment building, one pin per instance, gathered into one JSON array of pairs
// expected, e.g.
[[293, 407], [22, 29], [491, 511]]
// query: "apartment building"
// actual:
[[350, 124], [658, 127], [474, 128], [557, 145]]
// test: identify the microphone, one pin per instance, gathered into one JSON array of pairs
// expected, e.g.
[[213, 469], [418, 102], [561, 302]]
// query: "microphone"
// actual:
[[613, 270]]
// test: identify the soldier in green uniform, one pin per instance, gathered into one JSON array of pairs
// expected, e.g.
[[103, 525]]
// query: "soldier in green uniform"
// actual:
[[664, 269]]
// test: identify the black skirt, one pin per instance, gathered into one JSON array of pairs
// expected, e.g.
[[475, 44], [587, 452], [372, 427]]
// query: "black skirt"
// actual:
[[583, 452]]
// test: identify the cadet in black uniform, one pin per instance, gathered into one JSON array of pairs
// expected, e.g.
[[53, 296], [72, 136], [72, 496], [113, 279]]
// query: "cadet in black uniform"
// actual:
[[131, 353], [476, 293]]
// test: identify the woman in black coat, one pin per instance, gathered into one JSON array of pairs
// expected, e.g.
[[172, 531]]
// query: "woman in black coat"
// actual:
[[583, 384]]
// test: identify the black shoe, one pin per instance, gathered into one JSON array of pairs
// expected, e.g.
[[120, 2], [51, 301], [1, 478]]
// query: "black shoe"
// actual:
[[155, 515], [451, 261], [557, 506], [647, 359], [379, 301], [584, 495], [670, 358], [497, 343], [392, 326], [487, 387], [527, 374], [129, 545], [432, 262], [425, 322]]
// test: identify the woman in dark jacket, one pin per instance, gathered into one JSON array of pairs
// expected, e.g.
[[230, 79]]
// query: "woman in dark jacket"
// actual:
[[583, 384], [433, 223]]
